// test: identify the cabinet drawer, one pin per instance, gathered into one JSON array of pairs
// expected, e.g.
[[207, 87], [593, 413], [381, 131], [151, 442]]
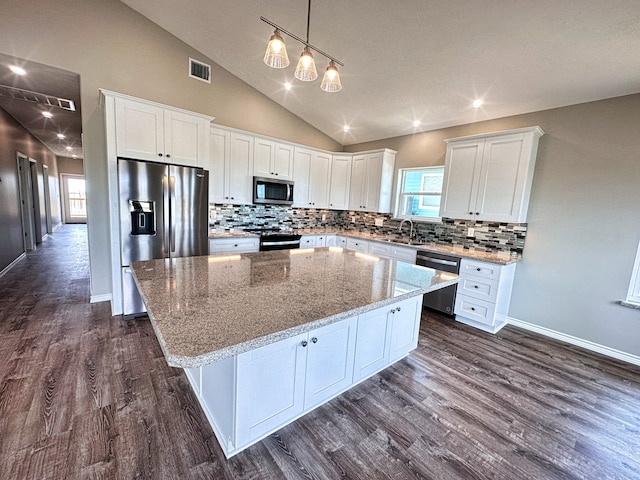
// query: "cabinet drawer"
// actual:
[[381, 249], [479, 310], [405, 254], [308, 241], [234, 245], [478, 287], [357, 245], [480, 269]]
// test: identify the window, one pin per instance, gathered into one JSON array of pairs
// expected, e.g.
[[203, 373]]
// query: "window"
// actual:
[[419, 192], [633, 296]]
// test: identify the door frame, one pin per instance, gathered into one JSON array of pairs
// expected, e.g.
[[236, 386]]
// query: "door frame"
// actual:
[[25, 188], [47, 197], [65, 198]]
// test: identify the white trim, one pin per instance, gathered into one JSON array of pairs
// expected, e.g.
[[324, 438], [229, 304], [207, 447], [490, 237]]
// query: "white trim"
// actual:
[[633, 294], [56, 227], [105, 297], [586, 344], [8, 267], [536, 131]]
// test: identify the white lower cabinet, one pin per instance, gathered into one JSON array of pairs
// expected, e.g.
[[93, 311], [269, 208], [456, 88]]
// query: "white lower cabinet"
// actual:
[[248, 396], [484, 294], [233, 245]]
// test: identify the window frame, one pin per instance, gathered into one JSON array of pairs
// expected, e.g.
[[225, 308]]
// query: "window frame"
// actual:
[[400, 193]]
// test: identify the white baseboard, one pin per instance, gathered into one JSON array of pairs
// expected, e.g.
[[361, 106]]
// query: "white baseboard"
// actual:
[[586, 344], [8, 267], [56, 227], [105, 297]]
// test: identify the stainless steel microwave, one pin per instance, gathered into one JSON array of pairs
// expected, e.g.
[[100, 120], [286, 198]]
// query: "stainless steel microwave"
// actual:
[[272, 190]]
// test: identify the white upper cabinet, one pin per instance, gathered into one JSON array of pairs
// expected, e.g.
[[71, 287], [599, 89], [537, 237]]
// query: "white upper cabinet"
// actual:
[[149, 131], [371, 181], [311, 177], [272, 159], [230, 167], [488, 177], [340, 181]]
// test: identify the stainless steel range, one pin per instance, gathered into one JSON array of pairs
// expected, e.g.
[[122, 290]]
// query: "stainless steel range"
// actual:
[[275, 239]]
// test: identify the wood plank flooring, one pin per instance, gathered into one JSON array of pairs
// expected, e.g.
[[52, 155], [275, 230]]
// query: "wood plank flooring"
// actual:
[[84, 395]]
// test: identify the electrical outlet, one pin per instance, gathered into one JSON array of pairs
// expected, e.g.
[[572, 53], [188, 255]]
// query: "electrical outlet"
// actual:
[[324, 217], [213, 214], [471, 232], [379, 222], [353, 219]]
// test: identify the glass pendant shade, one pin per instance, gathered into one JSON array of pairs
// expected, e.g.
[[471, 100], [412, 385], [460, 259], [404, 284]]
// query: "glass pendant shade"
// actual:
[[276, 54], [331, 80], [306, 69]]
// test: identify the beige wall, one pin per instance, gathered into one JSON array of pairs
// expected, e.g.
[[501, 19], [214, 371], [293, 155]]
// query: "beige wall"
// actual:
[[584, 225], [113, 47], [74, 166]]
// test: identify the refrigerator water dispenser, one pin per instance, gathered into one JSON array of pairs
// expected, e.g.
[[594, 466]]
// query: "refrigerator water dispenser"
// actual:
[[143, 219]]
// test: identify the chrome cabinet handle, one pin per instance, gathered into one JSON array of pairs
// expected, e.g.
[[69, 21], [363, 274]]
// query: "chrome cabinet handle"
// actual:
[[393, 310], [398, 309], [314, 339], [304, 343]]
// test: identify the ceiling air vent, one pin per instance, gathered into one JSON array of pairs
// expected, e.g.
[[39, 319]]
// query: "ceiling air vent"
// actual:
[[199, 70]]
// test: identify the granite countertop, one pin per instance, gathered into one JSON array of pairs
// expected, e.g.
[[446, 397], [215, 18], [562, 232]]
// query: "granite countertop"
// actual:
[[204, 309]]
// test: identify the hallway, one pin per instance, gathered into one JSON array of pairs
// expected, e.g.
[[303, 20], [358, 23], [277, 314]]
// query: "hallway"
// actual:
[[86, 395]]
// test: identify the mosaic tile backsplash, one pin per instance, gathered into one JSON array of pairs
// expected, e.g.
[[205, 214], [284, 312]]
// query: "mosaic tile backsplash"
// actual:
[[488, 236]]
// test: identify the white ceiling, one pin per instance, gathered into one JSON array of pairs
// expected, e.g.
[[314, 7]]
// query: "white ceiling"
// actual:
[[420, 59]]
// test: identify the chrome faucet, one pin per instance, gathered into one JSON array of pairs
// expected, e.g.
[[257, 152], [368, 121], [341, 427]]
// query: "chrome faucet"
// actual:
[[410, 227]]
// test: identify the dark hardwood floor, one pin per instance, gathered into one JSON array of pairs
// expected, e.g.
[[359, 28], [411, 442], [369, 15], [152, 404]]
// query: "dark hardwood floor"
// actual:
[[84, 395]]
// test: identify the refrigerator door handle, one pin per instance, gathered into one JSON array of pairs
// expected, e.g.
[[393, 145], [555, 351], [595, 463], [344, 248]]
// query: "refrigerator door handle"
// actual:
[[172, 217], [167, 215]]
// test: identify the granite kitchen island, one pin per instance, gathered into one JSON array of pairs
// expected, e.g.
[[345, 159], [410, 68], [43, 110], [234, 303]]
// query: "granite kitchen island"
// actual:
[[266, 337]]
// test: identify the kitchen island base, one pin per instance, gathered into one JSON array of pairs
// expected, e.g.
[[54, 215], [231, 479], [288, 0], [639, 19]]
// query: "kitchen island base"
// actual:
[[248, 396]]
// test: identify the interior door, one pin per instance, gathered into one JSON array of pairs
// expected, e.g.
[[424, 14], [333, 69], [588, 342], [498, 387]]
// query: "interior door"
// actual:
[[26, 203]]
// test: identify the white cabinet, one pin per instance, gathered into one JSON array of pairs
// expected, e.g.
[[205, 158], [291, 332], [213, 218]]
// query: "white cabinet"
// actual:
[[316, 241], [311, 176], [149, 131], [484, 294], [357, 245], [489, 177], [404, 254], [231, 167], [277, 382], [371, 181], [380, 249], [341, 241], [385, 335], [233, 245], [272, 159], [340, 180]]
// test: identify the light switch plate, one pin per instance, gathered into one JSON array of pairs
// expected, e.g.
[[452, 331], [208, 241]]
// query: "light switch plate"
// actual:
[[379, 222], [353, 219], [213, 214], [471, 232]]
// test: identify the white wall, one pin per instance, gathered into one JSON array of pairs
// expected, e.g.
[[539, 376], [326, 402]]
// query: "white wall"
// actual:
[[584, 224]]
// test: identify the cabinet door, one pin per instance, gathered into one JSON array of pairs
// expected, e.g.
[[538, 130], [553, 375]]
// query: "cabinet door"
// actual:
[[460, 185], [217, 164], [186, 138], [263, 153], [372, 344], [361, 246], [374, 176], [380, 249], [502, 178], [340, 180], [330, 240], [240, 169], [270, 387], [283, 161], [404, 326], [329, 361], [319, 177], [301, 172], [308, 241], [358, 185], [139, 130]]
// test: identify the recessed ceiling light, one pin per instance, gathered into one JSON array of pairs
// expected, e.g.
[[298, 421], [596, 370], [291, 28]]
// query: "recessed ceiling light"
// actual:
[[69, 148], [477, 103], [17, 70], [416, 123], [345, 128], [60, 136], [47, 114], [287, 86]]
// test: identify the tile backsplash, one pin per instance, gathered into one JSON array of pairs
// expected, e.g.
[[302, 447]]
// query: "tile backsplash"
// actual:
[[488, 236]]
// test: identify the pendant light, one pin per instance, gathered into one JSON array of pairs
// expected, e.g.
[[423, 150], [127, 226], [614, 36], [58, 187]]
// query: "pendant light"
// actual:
[[276, 57], [276, 54], [331, 80]]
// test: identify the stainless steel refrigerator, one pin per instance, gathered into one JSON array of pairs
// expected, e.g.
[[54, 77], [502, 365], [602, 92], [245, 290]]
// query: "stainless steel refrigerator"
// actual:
[[163, 214]]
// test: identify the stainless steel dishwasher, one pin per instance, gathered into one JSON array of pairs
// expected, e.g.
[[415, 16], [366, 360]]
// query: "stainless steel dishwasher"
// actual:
[[442, 300]]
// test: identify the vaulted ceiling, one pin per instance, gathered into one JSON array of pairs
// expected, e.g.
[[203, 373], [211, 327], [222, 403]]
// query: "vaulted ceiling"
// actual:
[[425, 60]]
